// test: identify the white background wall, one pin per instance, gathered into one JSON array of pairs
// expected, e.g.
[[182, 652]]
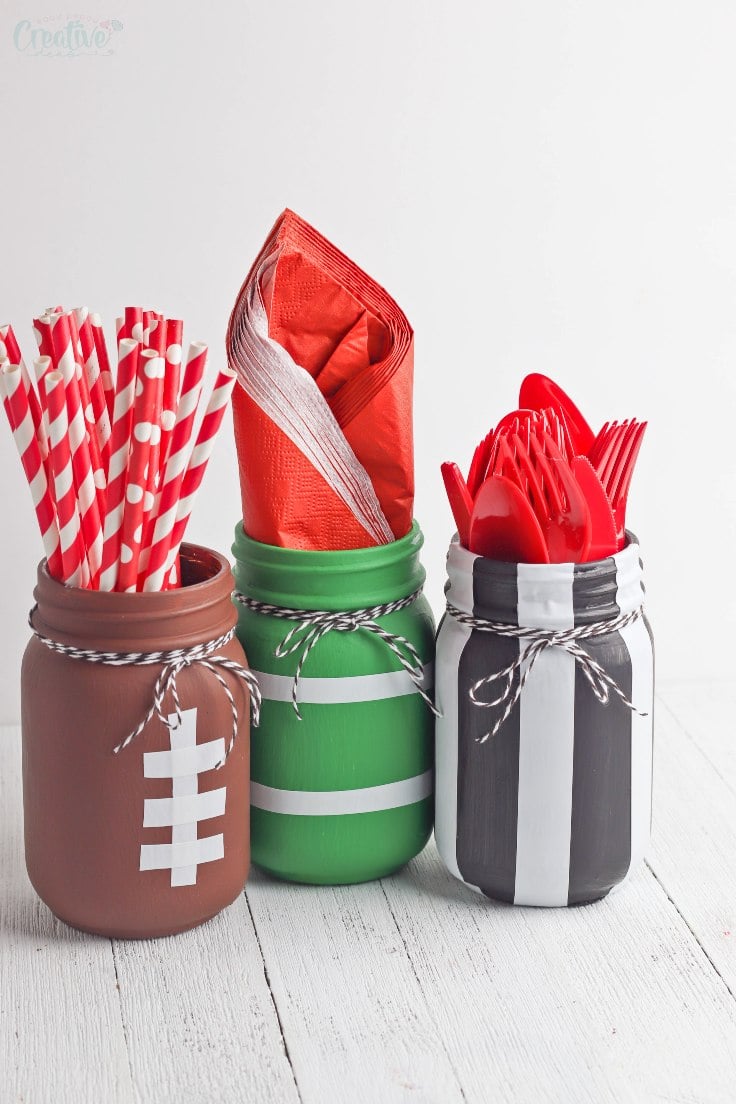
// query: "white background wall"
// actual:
[[542, 186]]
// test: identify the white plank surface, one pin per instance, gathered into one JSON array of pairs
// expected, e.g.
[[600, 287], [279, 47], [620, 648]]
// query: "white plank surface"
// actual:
[[410, 989], [61, 1031], [707, 713], [694, 852], [200, 1022], [358, 1026], [607, 1002]]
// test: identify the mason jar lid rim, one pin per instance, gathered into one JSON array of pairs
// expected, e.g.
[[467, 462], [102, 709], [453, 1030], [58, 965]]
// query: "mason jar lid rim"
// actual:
[[328, 559], [162, 602], [544, 570]]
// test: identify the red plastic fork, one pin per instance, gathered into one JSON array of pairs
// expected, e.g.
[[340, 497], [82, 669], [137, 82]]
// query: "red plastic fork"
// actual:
[[605, 449], [603, 527], [617, 468], [561, 508]]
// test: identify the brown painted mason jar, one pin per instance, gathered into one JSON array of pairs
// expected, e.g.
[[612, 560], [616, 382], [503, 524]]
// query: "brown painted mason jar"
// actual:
[[152, 840]]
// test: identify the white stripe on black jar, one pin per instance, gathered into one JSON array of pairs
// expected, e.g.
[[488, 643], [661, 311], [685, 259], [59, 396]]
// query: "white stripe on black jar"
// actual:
[[551, 805]]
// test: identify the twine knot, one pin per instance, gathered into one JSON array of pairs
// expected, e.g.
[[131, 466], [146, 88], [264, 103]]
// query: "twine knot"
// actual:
[[172, 663], [312, 625], [513, 677]]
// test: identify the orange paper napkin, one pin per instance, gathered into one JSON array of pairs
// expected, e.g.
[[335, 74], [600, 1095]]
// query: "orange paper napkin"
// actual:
[[323, 416]]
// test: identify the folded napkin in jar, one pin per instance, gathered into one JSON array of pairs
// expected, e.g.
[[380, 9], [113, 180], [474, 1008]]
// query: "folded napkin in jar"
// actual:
[[323, 416]]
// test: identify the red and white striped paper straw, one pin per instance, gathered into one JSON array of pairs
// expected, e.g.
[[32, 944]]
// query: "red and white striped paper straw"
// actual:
[[119, 457], [201, 453], [98, 399], [78, 443], [9, 348], [158, 540], [150, 376], [108, 384], [74, 570], [88, 412], [172, 380], [157, 338], [118, 466], [16, 389]]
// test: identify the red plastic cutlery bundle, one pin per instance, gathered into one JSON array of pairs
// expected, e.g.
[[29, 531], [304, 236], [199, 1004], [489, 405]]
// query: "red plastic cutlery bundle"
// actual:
[[542, 486], [113, 464]]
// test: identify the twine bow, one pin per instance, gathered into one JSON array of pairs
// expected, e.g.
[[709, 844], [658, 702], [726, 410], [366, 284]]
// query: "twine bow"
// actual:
[[173, 663], [600, 682], [312, 625]]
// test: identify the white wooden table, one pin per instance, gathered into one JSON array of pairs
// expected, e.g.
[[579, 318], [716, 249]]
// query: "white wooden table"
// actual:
[[411, 989]]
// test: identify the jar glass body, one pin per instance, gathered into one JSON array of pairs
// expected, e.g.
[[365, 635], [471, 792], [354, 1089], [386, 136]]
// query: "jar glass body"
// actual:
[[555, 808], [154, 839], [344, 794]]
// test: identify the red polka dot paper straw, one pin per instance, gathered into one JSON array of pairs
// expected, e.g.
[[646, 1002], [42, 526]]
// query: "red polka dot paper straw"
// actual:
[[103, 360], [42, 334], [117, 470], [155, 339], [158, 539], [16, 390], [98, 399], [172, 380], [9, 348], [78, 443], [219, 400], [74, 568], [149, 317], [133, 324], [150, 376], [154, 335]]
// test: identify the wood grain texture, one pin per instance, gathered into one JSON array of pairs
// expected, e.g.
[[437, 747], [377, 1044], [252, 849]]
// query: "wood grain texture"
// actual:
[[61, 1032], [200, 1022], [608, 1002], [410, 989], [357, 1024], [694, 852], [707, 713]]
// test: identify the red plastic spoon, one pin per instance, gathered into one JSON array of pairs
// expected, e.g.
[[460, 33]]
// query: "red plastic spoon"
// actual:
[[538, 391], [503, 525]]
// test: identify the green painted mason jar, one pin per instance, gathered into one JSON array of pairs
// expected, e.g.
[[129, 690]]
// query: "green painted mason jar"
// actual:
[[343, 794]]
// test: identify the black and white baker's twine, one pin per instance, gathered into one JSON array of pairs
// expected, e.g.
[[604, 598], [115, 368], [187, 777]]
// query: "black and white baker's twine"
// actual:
[[312, 625], [601, 683], [172, 664]]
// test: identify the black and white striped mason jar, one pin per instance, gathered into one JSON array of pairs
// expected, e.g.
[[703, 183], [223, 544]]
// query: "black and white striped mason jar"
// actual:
[[554, 808]]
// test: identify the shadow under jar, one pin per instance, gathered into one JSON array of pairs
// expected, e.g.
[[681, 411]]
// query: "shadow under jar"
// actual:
[[554, 808], [152, 840]]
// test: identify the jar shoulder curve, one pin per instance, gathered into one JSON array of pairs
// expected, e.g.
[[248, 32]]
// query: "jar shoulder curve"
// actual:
[[448, 632], [422, 613], [41, 668]]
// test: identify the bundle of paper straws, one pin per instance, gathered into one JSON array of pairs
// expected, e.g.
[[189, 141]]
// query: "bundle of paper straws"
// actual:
[[113, 465]]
